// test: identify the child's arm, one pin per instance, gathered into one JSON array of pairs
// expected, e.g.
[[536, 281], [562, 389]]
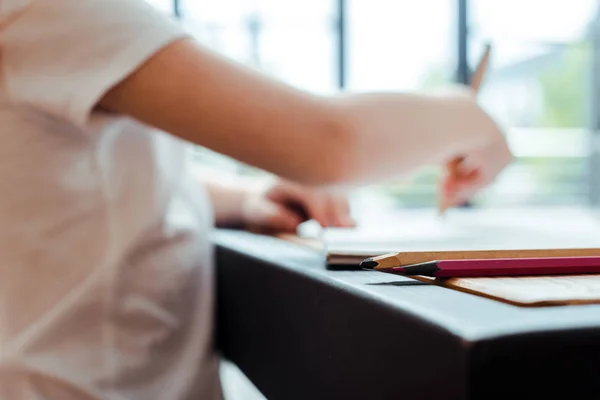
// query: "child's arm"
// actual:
[[126, 57], [205, 99]]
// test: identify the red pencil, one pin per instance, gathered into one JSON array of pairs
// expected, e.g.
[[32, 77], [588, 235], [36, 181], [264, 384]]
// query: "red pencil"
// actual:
[[503, 267]]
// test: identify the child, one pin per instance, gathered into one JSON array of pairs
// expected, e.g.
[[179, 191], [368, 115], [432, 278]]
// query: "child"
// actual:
[[106, 280]]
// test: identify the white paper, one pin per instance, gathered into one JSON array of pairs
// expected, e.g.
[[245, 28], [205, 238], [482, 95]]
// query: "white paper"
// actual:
[[468, 230], [537, 289]]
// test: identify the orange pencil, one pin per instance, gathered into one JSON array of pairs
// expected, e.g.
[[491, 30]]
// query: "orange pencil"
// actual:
[[476, 81]]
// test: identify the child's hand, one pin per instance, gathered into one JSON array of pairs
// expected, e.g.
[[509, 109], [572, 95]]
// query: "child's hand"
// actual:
[[465, 176], [284, 205]]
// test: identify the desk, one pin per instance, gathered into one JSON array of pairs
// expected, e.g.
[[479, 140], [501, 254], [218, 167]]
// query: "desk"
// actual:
[[299, 331]]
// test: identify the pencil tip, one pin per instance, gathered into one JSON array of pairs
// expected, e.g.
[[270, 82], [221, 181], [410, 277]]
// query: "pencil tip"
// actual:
[[369, 263]]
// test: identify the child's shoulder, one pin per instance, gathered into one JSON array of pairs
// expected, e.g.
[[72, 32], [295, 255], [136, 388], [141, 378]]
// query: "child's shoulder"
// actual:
[[61, 56]]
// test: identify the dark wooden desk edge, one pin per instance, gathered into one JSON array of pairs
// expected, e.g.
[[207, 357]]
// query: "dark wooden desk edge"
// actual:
[[270, 342], [306, 344], [539, 365]]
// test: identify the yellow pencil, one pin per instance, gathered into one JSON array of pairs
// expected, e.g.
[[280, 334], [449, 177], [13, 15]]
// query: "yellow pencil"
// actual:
[[476, 81]]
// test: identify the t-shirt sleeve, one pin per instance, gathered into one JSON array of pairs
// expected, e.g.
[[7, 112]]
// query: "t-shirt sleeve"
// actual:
[[62, 56]]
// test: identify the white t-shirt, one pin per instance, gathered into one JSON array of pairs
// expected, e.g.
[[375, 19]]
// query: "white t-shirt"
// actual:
[[106, 279]]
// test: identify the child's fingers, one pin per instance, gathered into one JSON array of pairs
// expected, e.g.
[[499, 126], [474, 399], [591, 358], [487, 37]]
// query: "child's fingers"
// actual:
[[458, 192], [339, 211], [282, 219], [462, 185], [329, 209], [467, 167], [309, 202], [267, 216]]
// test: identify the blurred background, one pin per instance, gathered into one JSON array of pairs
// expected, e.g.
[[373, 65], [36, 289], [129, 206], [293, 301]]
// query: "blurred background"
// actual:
[[543, 85]]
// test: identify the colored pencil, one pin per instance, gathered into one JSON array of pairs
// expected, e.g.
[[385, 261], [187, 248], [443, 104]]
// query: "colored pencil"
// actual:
[[390, 260], [503, 267]]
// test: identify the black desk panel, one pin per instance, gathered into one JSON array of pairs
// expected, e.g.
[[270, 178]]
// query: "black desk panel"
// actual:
[[299, 331]]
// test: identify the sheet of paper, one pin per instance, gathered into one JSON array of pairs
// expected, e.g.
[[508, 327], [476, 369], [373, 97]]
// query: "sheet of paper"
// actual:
[[534, 290], [467, 230]]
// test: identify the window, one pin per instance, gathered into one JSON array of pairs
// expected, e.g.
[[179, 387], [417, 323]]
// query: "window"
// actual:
[[163, 5], [538, 86], [291, 40], [539, 89], [401, 46]]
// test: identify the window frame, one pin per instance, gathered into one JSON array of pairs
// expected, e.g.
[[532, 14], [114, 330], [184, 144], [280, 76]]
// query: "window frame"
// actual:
[[593, 179]]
